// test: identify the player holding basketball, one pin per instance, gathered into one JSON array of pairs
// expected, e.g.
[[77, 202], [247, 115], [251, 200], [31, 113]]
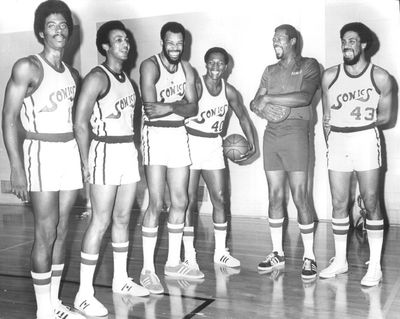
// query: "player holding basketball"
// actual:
[[286, 90], [205, 142], [357, 98], [110, 164], [169, 96], [41, 91]]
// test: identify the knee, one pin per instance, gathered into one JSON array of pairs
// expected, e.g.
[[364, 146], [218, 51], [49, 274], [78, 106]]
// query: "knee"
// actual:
[[276, 197], [371, 202], [45, 234], [121, 219], [156, 205], [179, 202], [300, 197], [100, 222], [340, 203], [219, 200]]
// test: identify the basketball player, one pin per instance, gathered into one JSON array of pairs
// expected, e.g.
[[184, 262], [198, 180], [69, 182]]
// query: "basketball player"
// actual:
[[290, 83], [169, 96], [357, 98], [110, 164], [41, 91], [216, 96]]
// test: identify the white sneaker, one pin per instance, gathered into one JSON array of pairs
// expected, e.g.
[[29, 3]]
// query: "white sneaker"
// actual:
[[64, 312], [225, 258], [89, 306], [334, 269], [191, 262], [373, 276], [150, 281], [182, 271], [129, 287]]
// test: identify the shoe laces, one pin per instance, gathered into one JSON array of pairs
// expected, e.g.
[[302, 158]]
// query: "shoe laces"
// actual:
[[270, 256], [307, 264]]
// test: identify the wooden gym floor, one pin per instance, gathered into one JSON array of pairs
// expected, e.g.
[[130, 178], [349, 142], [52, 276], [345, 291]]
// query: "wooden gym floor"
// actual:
[[224, 293]]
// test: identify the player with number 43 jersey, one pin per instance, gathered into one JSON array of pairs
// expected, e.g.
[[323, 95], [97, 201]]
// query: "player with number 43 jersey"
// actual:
[[356, 100]]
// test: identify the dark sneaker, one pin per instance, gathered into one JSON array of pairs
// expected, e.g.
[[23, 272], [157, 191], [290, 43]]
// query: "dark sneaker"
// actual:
[[309, 270], [273, 260]]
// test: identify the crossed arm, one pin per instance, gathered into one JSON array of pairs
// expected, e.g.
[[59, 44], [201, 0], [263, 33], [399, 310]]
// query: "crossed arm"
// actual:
[[148, 77]]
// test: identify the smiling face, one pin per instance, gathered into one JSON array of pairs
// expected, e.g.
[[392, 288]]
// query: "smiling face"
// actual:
[[215, 65], [172, 46], [55, 32], [282, 44], [352, 47], [118, 45]]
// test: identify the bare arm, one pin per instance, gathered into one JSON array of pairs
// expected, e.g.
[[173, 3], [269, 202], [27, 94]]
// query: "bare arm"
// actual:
[[148, 77], [240, 111], [327, 79], [24, 76], [94, 84], [384, 84]]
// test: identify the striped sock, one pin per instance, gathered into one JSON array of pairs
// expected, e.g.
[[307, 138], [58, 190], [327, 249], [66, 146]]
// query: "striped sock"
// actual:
[[340, 227], [120, 257], [149, 239], [375, 240], [188, 241], [307, 235], [275, 227], [88, 266], [41, 285], [175, 233], [220, 230], [56, 273]]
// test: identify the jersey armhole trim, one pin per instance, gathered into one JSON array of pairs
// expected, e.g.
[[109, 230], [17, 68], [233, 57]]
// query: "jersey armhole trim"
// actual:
[[335, 78], [101, 96], [373, 80]]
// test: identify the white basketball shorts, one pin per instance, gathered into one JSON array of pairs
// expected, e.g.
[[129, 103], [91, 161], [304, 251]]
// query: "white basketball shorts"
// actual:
[[355, 151], [52, 166]]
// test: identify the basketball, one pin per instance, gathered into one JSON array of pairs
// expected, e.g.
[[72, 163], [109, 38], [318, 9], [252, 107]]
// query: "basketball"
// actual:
[[235, 145]]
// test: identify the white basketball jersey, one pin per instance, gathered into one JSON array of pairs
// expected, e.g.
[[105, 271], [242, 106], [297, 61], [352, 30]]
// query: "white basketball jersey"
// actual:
[[113, 113], [353, 100], [49, 108], [170, 88], [212, 111]]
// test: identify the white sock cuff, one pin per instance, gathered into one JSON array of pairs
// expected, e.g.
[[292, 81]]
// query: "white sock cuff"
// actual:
[[57, 267], [149, 231], [276, 222], [175, 226], [305, 229], [378, 222], [221, 226], [41, 275], [120, 245], [91, 257], [341, 221]]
